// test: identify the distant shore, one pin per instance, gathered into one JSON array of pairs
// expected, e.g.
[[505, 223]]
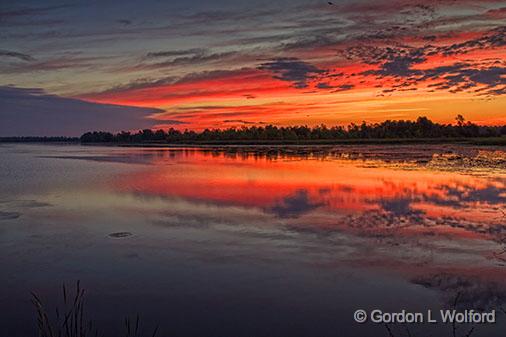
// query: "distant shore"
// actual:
[[422, 130], [501, 141], [468, 141]]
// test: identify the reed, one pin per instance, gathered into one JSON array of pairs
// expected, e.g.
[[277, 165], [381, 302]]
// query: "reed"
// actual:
[[71, 319]]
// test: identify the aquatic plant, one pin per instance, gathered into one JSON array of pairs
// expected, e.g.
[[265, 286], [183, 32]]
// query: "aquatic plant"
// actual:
[[72, 320]]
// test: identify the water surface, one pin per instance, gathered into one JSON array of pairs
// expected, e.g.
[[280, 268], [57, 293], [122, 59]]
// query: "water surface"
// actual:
[[253, 241]]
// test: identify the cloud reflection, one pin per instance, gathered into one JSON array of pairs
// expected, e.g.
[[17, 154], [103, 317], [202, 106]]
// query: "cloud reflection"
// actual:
[[466, 292], [295, 205], [334, 207]]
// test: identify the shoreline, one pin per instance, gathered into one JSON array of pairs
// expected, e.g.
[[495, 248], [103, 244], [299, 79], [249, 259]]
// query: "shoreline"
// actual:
[[496, 141]]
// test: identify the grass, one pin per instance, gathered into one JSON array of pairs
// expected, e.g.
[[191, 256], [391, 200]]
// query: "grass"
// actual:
[[72, 320]]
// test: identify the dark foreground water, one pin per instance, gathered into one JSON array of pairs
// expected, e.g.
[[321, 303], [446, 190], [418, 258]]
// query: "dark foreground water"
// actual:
[[254, 241]]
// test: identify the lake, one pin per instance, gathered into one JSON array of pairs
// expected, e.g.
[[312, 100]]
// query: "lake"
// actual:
[[254, 241]]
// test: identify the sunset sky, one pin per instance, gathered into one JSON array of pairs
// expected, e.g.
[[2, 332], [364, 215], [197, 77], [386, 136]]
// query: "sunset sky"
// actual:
[[197, 64]]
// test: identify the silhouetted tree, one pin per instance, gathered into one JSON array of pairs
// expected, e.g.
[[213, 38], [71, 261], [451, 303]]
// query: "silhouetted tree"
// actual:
[[423, 127]]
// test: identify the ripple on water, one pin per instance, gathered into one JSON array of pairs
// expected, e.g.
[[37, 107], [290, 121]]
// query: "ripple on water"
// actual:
[[120, 235], [9, 215]]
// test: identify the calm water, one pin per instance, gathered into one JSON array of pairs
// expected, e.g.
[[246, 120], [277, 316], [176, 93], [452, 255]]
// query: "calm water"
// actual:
[[253, 241]]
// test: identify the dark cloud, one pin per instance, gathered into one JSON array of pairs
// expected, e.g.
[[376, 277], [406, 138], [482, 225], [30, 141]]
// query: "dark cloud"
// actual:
[[393, 61], [383, 7], [197, 112], [20, 17], [222, 16], [274, 29], [336, 88], [211, 15], [344, 87], [499, 13], [399, 66], [141, 83], [482, 77], [43, 23], [32, 112], [430, 38], [398, 60], [312, 41], [496, 92], [179, 52], [292, 70], [465, 76], [323, 85], [171, 122], [381, 21], [52, 64], [28, 11], [407, 8], [493, 39], [17, 55], [240, 121], [145, 83], [195, 59], [182, 57], [213, 74]]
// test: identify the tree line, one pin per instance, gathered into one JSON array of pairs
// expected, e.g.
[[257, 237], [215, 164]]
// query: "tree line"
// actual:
[[399, 129], [29, 139]]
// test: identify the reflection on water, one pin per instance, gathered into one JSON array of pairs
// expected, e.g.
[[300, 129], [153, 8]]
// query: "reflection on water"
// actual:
[[222, 240]]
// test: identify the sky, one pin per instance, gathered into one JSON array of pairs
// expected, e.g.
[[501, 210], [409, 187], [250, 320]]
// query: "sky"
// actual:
[[217, 64]]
